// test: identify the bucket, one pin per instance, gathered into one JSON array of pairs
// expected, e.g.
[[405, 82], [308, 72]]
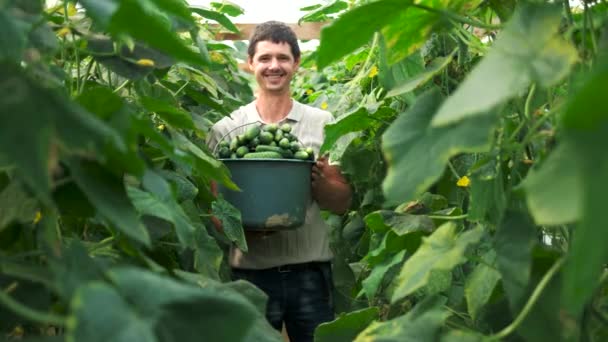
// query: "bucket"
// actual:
[[275, 193]]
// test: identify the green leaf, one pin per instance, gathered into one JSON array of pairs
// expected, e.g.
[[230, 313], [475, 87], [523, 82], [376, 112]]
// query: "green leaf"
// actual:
[[347, 326], [433, 68], [16, 205], [35, 116], [141, 20], [550, 204], [184, 312], [228, 7], [320, 12], [374, 279], [420, 324], [393, 76], [208, 255], [409, 30], [462, 336], [513, 243], [417, 153], [167, 209], [12, 38], [107, 193], [359, 25], [177, 8], [170, 113], [231, 222], [216, 16], [481, 283], [443, 250], [355, 122], [100, 314], [528, 50], [586, 109]]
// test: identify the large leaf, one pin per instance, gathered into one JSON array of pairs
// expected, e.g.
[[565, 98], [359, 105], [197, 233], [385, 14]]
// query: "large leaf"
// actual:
[[12, 38], [550, 204], [347, 326], [415, 81], [183, 312], [16, 205], [141, 20], [528, 50], [151, 204], [513, 243], [169, 112], [374, 279], [33, 117], [231, 222], [421, 324], [417, 153], [100, 314], [207, 254], [107, 193], [355, 122], [359, 25], [587, 131], [441, 251], [216, 16], [481, 283]]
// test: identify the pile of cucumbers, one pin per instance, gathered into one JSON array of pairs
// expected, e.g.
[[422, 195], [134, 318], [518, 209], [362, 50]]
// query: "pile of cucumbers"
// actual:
[[269, 141]]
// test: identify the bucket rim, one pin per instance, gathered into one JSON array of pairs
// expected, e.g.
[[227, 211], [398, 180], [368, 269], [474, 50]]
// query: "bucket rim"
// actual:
[[241, 160]]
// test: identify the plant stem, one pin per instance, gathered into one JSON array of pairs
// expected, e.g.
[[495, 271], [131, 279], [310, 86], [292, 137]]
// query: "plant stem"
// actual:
[[568, 12], [25, 312], [87, 72], [529, 101], [459, 18], [529, 304], [453, 170], [122, 86]]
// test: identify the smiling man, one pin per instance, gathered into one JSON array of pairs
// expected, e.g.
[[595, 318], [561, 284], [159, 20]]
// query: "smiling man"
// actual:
[[292, 267]]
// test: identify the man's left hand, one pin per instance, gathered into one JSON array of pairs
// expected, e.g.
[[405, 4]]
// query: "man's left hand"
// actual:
[[329, 187]]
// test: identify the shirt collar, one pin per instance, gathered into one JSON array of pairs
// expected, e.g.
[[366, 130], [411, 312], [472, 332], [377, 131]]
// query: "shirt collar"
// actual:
[[295, 114]]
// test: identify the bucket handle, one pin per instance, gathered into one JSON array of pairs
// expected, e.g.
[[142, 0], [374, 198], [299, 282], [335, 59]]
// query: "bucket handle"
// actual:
[[240, 126], [232, 130]]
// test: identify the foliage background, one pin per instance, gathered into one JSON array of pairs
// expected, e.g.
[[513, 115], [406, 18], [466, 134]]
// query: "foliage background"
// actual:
[[472, 132]]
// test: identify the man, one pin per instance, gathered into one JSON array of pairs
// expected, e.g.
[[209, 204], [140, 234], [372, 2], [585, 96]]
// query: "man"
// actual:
[[292, 267]]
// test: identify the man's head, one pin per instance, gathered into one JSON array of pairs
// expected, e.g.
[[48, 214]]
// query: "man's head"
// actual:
[[274, 56], [275, 32]]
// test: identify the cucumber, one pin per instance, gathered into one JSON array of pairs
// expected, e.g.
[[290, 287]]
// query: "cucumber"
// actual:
[[301, 155], [224, 152], [284, 143], [287, 153], [241, 151], [266, 148], [263, 155], [278, 135], [294, 146], [270, 128], [266, 137], [252, 133], [286, 128]]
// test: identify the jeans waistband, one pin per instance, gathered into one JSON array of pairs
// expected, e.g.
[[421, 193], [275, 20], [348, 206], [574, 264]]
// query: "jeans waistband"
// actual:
[[312, 265]]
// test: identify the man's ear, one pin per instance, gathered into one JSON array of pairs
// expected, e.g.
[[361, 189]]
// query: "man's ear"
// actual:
[[250, 63]]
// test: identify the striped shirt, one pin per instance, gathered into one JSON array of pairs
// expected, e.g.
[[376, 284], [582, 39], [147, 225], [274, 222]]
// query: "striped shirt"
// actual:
[[310, 242]]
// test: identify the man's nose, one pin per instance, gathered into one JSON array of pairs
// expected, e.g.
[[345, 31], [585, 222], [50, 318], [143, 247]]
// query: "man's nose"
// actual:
[[274, 63]]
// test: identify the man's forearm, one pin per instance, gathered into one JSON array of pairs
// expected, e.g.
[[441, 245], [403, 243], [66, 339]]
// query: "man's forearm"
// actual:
[[337, 198]]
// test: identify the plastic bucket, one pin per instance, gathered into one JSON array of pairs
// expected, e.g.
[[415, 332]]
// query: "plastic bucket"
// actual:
[[275, 193]]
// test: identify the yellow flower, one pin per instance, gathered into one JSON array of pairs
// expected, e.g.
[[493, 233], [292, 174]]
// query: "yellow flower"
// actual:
[[145, 62], [333, 78], [324, 105], [373, 71], [463, 182], [160, 127], [38, 217], [308, 91], [63, 31]]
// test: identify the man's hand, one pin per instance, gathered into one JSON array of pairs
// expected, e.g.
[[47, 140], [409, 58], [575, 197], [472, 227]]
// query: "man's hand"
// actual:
[[329, 187]]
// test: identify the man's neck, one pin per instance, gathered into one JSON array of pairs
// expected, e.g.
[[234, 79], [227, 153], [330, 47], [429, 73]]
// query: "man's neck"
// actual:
[[273, 108]]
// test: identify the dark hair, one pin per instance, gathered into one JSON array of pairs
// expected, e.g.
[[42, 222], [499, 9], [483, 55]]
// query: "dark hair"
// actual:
[[277, 32]]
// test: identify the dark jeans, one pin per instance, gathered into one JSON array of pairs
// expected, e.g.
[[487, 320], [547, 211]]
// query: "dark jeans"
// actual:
[[299, 295]]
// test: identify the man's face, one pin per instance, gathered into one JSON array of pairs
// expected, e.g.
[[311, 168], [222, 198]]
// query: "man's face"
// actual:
[[273, 66]]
